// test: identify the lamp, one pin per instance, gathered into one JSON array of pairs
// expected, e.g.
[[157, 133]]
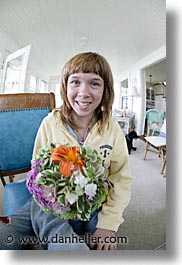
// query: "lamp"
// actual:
[[132, 92]]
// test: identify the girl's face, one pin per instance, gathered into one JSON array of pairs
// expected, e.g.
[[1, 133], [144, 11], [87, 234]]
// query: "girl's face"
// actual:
[[84, 93]]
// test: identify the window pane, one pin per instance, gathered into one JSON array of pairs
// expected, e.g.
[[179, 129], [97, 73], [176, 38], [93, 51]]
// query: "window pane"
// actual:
[[58, 96], [12, 79], [33, 82], [42, 86]]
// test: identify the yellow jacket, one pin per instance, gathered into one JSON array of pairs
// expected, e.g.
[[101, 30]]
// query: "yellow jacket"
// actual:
[[111, 147]]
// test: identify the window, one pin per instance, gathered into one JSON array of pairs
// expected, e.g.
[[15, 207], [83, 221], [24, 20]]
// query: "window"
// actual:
[[123, 95], [33, 83], [58, 96], [42, 86], [14, 71], [124, 102], [12, 75]]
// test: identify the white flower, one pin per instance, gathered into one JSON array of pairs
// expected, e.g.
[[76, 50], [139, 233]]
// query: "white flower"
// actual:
[[71, 197], [39, 175], [79, 190], [80, 180], [90, 190]]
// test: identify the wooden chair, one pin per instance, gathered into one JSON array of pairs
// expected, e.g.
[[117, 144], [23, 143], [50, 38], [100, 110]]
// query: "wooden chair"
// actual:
[[20, 118], [159, 143]]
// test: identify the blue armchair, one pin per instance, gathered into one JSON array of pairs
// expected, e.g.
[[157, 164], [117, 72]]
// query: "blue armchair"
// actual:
[[20, 118]]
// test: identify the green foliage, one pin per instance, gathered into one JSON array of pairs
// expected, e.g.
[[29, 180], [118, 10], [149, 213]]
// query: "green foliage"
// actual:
[[93, 172]]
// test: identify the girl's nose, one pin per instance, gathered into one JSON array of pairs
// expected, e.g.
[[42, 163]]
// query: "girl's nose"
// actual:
[[84, 91], [83, 95]]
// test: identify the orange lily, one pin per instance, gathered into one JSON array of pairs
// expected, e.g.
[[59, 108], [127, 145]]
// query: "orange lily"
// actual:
[[68, 158]]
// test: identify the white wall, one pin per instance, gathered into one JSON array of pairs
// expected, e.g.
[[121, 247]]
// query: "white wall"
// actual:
[[160, 103], [136, 74], [116, 94]]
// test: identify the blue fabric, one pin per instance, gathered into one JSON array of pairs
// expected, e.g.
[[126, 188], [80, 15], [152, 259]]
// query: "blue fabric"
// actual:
[[30, 221], [15, 196], [18, 129], [81, 227]]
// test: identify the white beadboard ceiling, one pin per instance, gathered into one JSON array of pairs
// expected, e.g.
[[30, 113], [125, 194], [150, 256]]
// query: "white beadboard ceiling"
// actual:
[[124, 31]]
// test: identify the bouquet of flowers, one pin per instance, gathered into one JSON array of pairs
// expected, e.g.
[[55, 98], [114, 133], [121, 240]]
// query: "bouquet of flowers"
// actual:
[[69, 182]]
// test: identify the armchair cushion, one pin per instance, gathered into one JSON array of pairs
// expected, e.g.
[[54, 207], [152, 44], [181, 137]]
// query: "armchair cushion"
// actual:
[[15, 196]]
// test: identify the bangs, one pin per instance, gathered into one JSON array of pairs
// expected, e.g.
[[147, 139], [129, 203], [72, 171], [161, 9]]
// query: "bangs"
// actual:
[[88, 63]]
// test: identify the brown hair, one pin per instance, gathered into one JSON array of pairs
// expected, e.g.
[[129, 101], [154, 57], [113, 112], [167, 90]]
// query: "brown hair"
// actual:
[[89, 62]]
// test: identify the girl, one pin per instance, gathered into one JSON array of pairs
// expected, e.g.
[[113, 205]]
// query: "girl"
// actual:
[[83, 119]]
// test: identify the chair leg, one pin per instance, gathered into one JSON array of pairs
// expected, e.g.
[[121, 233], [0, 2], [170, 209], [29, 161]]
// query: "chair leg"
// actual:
[[163, 167], [146, 149], [163, 153], [11, 178], [2, 179], [160, 152]]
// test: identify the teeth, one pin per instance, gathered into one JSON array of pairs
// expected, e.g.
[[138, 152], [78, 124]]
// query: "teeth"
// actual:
[[83, 104]]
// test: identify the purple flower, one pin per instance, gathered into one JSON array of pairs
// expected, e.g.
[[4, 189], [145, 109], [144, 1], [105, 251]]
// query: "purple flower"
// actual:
[[36, 164], [58, 208], [30, 182], [37, 192], [105, 185], [49, 200], [43, 195], [32, 174], [88, 197], [48, 193]]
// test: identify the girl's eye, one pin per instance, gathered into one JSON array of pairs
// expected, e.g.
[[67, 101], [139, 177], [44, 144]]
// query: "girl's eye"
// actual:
[[95, 84], [75, 82]]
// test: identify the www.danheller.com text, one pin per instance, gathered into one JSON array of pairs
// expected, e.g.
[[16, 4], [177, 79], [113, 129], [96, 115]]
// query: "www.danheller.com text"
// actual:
[[57, 239]]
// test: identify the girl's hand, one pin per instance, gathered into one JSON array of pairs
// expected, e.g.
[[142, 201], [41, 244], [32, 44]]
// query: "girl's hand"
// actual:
[[102, 239]]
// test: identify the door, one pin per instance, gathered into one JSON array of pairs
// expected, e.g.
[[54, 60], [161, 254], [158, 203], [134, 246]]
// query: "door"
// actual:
[[14, 71]]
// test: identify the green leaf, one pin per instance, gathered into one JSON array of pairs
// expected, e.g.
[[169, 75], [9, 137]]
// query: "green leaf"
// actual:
[[61, 182], [62, 199], [85, 216], [49, 182]]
